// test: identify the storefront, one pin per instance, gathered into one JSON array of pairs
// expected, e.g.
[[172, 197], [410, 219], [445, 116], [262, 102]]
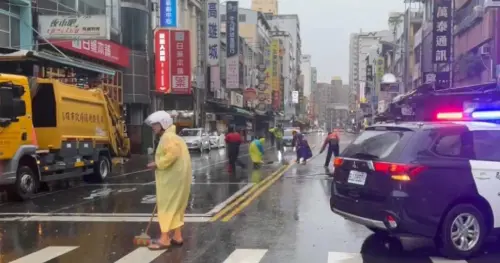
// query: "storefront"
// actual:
[[15, 24]]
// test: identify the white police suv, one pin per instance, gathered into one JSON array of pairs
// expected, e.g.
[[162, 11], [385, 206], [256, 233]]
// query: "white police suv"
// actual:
[[439, 180]]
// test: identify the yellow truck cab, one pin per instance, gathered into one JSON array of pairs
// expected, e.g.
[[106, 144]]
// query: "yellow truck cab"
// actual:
[[52, 131]]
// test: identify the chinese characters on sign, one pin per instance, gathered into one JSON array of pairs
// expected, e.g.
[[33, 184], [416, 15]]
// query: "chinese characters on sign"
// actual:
[[180, 62], [429, 77], [168, 13], [83, 117], [213, 34], [274, 64], [162, 60], [232, 61], [441, 48], [72, 27], [104, 50]]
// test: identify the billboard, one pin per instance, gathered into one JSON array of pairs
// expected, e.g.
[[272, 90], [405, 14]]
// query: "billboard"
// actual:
[[180, 62], [232, 48], [213, 32], [168, 13], [162, 60], [73, 27]]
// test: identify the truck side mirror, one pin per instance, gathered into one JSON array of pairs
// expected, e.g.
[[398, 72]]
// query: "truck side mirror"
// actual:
[[19, 108], [6, 104]]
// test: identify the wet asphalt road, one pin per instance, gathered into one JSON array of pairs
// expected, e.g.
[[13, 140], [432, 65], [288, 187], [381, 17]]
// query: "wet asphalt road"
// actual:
[[282, 217]]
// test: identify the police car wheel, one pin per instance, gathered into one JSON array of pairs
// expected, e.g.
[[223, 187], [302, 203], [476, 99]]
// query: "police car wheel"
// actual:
[[377, 231], [462, 232]]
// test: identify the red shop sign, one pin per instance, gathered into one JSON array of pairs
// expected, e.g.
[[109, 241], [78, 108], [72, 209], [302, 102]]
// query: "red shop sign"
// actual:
[[162, 60], [180, 62], [104, 50]]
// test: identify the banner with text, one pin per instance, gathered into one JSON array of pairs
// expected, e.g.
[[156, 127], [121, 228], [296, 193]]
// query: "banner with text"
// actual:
[[180, 62], [162, 60], [232, 46], [168, 13], [213, 32]]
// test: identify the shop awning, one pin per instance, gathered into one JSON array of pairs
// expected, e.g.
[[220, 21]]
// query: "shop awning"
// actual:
[[44, 56], [243, 112]]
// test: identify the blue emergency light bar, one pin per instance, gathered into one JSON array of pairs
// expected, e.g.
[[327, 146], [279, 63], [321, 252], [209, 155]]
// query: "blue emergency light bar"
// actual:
[[486, 115]]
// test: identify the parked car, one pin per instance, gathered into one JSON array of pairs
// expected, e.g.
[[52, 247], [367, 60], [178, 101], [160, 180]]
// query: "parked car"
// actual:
[[217, 140], [288, 138], [196, 139]]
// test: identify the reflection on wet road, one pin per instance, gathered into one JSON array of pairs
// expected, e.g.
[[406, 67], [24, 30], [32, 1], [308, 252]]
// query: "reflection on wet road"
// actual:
[[277, 214]]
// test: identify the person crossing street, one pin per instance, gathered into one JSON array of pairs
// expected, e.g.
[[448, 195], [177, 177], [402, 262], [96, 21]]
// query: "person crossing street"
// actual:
[[233, 141], [332, 142]]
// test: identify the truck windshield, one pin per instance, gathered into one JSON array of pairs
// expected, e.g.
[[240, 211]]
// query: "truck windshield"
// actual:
[[186, 133]]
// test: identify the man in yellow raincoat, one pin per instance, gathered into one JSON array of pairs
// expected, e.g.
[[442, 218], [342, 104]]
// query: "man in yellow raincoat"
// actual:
[[256, 151], [173, 175]]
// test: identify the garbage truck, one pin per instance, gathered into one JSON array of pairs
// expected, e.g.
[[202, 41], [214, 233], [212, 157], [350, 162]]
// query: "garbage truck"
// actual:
[[52, 131]]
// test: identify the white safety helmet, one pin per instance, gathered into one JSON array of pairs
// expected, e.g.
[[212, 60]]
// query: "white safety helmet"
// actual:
[[161, 117]]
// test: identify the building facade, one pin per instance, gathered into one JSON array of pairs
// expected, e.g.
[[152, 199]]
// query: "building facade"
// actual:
[[476, 43], [306, 69], [287, 70], [265, 6], [360, 45], [291, 24]]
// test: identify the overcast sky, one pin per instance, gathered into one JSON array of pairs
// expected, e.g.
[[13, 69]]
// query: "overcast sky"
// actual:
[[326, 25]]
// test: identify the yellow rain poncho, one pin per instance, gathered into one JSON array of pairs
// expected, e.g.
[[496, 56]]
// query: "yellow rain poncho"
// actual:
[[256, 151], [173, 179]]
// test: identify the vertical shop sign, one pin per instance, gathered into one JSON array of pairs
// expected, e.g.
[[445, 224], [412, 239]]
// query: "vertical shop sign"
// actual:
[[274, 64], [232, 60], [442, 31], [162, 60], [266, 97], [168, 13], [180, 62], [213, 33], [441, 47]]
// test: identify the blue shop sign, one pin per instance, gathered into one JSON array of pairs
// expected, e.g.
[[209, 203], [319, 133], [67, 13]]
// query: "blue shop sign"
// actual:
[[168, 13]]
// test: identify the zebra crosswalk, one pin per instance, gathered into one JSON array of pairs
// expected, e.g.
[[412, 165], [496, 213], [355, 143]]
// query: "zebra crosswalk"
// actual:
[[239, 255]]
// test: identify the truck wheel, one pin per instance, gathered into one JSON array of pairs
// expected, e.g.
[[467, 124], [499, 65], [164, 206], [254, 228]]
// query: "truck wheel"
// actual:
[[27, 183], [101, 169], [462, 233]]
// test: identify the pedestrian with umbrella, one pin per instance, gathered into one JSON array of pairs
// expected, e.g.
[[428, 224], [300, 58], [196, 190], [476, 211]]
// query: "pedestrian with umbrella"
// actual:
[[233, 142]]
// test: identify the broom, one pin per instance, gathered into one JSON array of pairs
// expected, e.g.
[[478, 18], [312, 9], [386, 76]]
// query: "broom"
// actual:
[[144, 239]]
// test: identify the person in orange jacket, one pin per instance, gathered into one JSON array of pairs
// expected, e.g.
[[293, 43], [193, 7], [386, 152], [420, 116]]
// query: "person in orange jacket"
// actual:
[[332, 142]]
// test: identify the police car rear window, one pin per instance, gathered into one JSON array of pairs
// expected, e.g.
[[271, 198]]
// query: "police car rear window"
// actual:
[[374, 144]]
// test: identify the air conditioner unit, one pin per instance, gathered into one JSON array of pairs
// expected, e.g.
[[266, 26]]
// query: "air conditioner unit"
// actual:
[[485, 50], [478, 11]]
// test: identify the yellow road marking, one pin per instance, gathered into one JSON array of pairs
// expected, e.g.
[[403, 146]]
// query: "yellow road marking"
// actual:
[[258, 192], [244, 196]]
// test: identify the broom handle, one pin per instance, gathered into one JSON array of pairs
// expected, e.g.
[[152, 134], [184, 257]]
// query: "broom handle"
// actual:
[[151, 219]]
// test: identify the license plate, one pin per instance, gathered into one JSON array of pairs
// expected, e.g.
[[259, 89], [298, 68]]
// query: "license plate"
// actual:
[[357, 177]]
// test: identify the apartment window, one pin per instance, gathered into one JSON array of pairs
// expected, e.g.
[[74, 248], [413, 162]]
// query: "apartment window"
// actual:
[[242, 18], [9, 31], [466, 10]]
